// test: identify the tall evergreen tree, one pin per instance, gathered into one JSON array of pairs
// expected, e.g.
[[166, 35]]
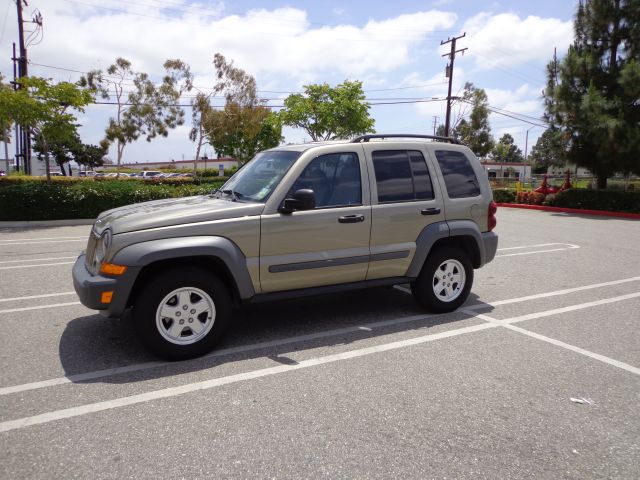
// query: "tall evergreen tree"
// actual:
[[593, 95]]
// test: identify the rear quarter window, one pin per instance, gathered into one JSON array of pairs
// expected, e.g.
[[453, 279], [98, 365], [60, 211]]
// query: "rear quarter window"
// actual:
[[459, 177]]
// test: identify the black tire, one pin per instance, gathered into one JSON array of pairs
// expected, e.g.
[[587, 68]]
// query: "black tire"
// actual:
[[443, 261], [193, 285]]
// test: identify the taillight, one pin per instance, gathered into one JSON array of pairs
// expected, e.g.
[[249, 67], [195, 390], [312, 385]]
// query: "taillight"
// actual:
[[491, 216]]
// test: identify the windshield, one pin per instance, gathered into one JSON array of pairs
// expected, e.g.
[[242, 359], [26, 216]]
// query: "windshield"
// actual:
[[258, 178]]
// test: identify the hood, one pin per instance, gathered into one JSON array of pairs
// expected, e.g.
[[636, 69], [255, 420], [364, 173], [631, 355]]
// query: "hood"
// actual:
[[173, 211]]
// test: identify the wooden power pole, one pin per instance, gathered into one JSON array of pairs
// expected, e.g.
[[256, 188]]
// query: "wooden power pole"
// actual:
[[449, 73]]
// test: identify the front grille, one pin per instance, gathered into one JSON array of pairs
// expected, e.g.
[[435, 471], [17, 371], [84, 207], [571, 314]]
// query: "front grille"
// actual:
[[91, 251]]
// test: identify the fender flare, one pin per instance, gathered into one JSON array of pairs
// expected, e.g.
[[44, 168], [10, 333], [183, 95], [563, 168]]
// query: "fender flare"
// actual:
[[146, 253], [437, 231]]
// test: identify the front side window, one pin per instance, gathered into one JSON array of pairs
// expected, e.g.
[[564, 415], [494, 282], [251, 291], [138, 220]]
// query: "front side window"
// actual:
[[258, 178], [459, 177], [334, 178], [401, 176]]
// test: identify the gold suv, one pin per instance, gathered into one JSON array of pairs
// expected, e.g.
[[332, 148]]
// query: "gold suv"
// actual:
[[295, 220]]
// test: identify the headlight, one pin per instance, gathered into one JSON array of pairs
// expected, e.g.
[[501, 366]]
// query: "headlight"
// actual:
[[102, 247]]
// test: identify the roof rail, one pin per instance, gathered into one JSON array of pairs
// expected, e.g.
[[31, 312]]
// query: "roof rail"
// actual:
[[366, 138]]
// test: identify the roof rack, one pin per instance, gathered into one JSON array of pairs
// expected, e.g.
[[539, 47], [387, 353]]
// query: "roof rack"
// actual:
[[366, 138]]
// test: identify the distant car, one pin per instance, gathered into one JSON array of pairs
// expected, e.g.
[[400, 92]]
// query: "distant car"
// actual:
[[186, 175], [98, 175], [173, 175], [3, 173], [151, 174], [87, 174]]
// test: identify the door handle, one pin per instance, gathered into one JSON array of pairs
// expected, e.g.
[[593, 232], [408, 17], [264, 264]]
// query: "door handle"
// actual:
[[351, 219], [430, 211]]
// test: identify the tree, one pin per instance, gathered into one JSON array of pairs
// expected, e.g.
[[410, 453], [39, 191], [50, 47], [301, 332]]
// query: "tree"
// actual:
[[60, 147], [593, 95], [245, 125], [148, 110], [44, 107], [548, 151], [476, 131], [327, 113], [91, 156], [507, 151]]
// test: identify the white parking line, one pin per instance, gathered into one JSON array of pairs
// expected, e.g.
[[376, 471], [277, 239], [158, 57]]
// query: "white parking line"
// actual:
[[573, 348], [470, 310], [39, 307], [217, 382], [508, 324], [323, 360], [567, 246], [15, 267], [30, 297], [531, 246], [41, 238], [572, 308], [13, 242], [36, 259]]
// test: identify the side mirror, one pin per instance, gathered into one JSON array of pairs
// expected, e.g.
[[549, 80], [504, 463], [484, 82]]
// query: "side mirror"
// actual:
[[303, 199]]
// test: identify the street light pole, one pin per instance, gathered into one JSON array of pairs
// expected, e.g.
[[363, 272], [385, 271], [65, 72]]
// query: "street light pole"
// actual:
[[526, 143]]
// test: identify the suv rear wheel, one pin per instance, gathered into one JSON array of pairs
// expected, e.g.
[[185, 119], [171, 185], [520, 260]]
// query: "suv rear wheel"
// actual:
[[445, 280], [182, 313]]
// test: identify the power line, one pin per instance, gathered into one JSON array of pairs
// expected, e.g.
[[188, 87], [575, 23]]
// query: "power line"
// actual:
[[65, 69]]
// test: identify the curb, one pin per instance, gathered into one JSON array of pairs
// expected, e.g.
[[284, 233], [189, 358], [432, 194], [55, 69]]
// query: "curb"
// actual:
[[600, 213], [47, 223]]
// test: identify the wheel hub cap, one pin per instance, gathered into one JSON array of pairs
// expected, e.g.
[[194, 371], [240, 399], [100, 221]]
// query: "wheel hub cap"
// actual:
[[449, 280], [199, 315]]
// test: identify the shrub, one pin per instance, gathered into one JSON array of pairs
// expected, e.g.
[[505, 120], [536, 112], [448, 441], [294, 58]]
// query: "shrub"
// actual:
[[84, 198], [530, 198], [610, 200], [504, 195]]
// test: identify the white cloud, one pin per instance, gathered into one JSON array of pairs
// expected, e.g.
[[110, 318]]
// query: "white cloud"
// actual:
[[278, 42], [505, 39]]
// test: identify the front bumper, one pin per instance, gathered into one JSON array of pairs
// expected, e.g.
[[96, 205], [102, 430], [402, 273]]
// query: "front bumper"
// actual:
[[90, 288]]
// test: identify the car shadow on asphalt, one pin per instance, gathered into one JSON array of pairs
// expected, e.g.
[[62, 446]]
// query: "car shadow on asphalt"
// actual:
[[95, 344]]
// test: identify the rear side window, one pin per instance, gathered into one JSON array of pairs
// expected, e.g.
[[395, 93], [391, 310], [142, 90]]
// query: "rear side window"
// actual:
[[401, 176], [458, 174]]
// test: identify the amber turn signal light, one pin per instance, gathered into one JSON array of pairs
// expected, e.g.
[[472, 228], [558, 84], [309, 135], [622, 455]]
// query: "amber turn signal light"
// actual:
[[111, 269], [106, 297]]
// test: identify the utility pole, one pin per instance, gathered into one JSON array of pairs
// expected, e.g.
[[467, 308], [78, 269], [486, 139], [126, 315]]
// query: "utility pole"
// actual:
[[449, 74], [435, 123], [23, 135]]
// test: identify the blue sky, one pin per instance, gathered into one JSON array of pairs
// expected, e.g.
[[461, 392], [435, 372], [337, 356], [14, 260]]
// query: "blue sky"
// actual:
[[393, 47]]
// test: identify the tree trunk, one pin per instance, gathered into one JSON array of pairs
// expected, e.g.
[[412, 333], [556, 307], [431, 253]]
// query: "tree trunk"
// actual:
[[602, 182], [70, 171]]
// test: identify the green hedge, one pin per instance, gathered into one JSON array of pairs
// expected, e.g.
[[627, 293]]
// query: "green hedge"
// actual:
[[504, 195], [609, 200], [84, 198]]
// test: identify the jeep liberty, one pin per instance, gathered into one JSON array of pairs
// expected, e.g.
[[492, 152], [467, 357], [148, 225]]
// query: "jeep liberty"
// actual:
[[295, 220]]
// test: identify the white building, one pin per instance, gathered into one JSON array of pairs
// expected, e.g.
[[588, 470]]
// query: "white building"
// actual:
[[209, 163], [515, 170]]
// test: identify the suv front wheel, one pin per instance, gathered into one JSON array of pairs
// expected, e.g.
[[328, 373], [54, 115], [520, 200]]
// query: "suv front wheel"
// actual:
[[445, 280], [182, 313]]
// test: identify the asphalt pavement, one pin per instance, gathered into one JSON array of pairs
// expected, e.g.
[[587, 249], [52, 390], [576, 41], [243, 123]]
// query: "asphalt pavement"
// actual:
[[536, 376]]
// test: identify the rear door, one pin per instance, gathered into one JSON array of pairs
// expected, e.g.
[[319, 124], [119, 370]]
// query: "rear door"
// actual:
[[405, 198]]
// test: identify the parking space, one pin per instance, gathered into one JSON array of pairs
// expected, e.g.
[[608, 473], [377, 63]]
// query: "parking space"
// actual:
[[538, 375]]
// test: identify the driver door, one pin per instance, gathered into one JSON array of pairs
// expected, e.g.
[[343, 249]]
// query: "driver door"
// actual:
[[329, 244]]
